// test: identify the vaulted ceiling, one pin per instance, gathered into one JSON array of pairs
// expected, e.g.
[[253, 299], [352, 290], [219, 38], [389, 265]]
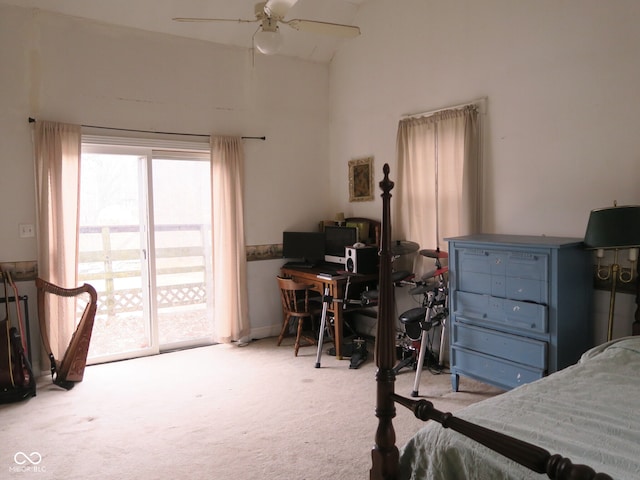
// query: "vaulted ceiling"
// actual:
[[156, 16]]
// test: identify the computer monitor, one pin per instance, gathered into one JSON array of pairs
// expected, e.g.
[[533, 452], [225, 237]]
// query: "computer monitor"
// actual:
[[307, 247], [336, 238]]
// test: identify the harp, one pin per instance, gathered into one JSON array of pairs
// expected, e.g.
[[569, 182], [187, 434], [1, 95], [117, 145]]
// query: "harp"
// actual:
[[66, 372]]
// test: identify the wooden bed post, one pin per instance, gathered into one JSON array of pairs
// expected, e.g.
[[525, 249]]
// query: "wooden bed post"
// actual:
[[385, 454]]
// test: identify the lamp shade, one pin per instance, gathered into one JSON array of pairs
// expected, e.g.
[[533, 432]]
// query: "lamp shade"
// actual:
[[614, 227], [268, 42]]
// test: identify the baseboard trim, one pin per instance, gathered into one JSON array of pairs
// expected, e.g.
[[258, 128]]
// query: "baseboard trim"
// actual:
[[265, 332]]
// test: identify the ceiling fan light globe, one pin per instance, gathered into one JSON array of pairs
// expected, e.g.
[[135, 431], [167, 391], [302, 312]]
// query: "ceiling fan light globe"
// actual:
[[268, 43]]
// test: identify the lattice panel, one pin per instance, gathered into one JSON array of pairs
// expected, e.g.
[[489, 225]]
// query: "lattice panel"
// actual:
[[131, 300], [178, 295]]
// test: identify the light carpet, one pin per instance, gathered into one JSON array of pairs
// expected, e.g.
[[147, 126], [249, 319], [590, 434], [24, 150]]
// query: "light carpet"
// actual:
[[218, 412]]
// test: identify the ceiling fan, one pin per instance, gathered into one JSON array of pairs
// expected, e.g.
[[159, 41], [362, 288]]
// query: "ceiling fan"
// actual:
[[267, 38]]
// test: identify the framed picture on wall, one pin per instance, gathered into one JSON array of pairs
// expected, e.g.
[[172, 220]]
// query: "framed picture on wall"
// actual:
[[361, 179]]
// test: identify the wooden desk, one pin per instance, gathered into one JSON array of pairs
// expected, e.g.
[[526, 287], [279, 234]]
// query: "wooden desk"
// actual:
[[337, 285]]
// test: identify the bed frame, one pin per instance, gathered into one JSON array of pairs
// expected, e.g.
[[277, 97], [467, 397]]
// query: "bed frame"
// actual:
[[385, 454]]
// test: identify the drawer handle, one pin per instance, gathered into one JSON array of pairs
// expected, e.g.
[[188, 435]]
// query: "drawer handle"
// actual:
[[516, 308]]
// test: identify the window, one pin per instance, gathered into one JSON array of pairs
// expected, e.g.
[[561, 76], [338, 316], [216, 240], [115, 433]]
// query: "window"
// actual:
[[439, 177]]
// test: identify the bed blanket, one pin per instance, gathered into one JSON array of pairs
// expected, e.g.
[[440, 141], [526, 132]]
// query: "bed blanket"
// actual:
[[588, 412]]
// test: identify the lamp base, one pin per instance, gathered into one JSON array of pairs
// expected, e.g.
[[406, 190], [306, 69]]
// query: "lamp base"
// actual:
[[622, 287], [612, 299]]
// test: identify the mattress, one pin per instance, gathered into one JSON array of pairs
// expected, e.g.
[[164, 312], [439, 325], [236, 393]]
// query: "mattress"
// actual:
[[587, 412]]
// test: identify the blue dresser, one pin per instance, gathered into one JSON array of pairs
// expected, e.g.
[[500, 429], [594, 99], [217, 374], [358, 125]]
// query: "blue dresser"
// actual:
[[520, 307]]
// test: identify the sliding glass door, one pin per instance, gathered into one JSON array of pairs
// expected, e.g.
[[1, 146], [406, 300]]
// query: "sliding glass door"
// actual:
[[113, 246], [144, 241], [182, 246]]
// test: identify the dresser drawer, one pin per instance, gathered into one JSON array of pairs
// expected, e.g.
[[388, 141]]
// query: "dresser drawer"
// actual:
[[512, 314], [497, 371], [483, 283], [504, 262], [474, 260], [517, 288], [516, 275], [526, 289], [528, 265], [508, 347]]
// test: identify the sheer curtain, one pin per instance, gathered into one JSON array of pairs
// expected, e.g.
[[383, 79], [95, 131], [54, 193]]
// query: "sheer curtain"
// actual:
[[57, 158], [230, 304], [439, 178]]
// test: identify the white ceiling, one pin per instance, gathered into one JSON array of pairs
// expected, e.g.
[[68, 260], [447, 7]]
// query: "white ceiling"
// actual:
[[156, 16]]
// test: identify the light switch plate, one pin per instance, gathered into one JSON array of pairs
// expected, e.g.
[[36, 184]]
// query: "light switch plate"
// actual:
[[27, 230]]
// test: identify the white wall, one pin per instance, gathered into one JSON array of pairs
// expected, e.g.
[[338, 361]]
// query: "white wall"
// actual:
[[561, 80], [63, 69]]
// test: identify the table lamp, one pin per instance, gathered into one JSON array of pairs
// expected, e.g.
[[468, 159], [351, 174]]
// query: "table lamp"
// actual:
[[615, 228]]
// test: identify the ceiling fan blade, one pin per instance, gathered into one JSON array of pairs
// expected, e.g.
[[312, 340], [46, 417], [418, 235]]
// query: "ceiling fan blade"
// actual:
[[325, 28], [196, 19], [278, 8]]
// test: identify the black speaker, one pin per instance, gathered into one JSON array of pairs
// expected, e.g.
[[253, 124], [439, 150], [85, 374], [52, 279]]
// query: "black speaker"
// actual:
[[361, 260]]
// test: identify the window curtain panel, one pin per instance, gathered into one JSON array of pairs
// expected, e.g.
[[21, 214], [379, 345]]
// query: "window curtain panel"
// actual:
[[439, 179], [57, 165], [230, 304]]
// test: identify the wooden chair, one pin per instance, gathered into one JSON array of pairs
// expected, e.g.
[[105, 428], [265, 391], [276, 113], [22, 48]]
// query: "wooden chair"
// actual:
[[296, 304], [71, 368]]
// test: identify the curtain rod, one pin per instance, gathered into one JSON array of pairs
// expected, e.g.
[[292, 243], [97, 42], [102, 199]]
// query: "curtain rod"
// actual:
[[33, 120], [481, 102]]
